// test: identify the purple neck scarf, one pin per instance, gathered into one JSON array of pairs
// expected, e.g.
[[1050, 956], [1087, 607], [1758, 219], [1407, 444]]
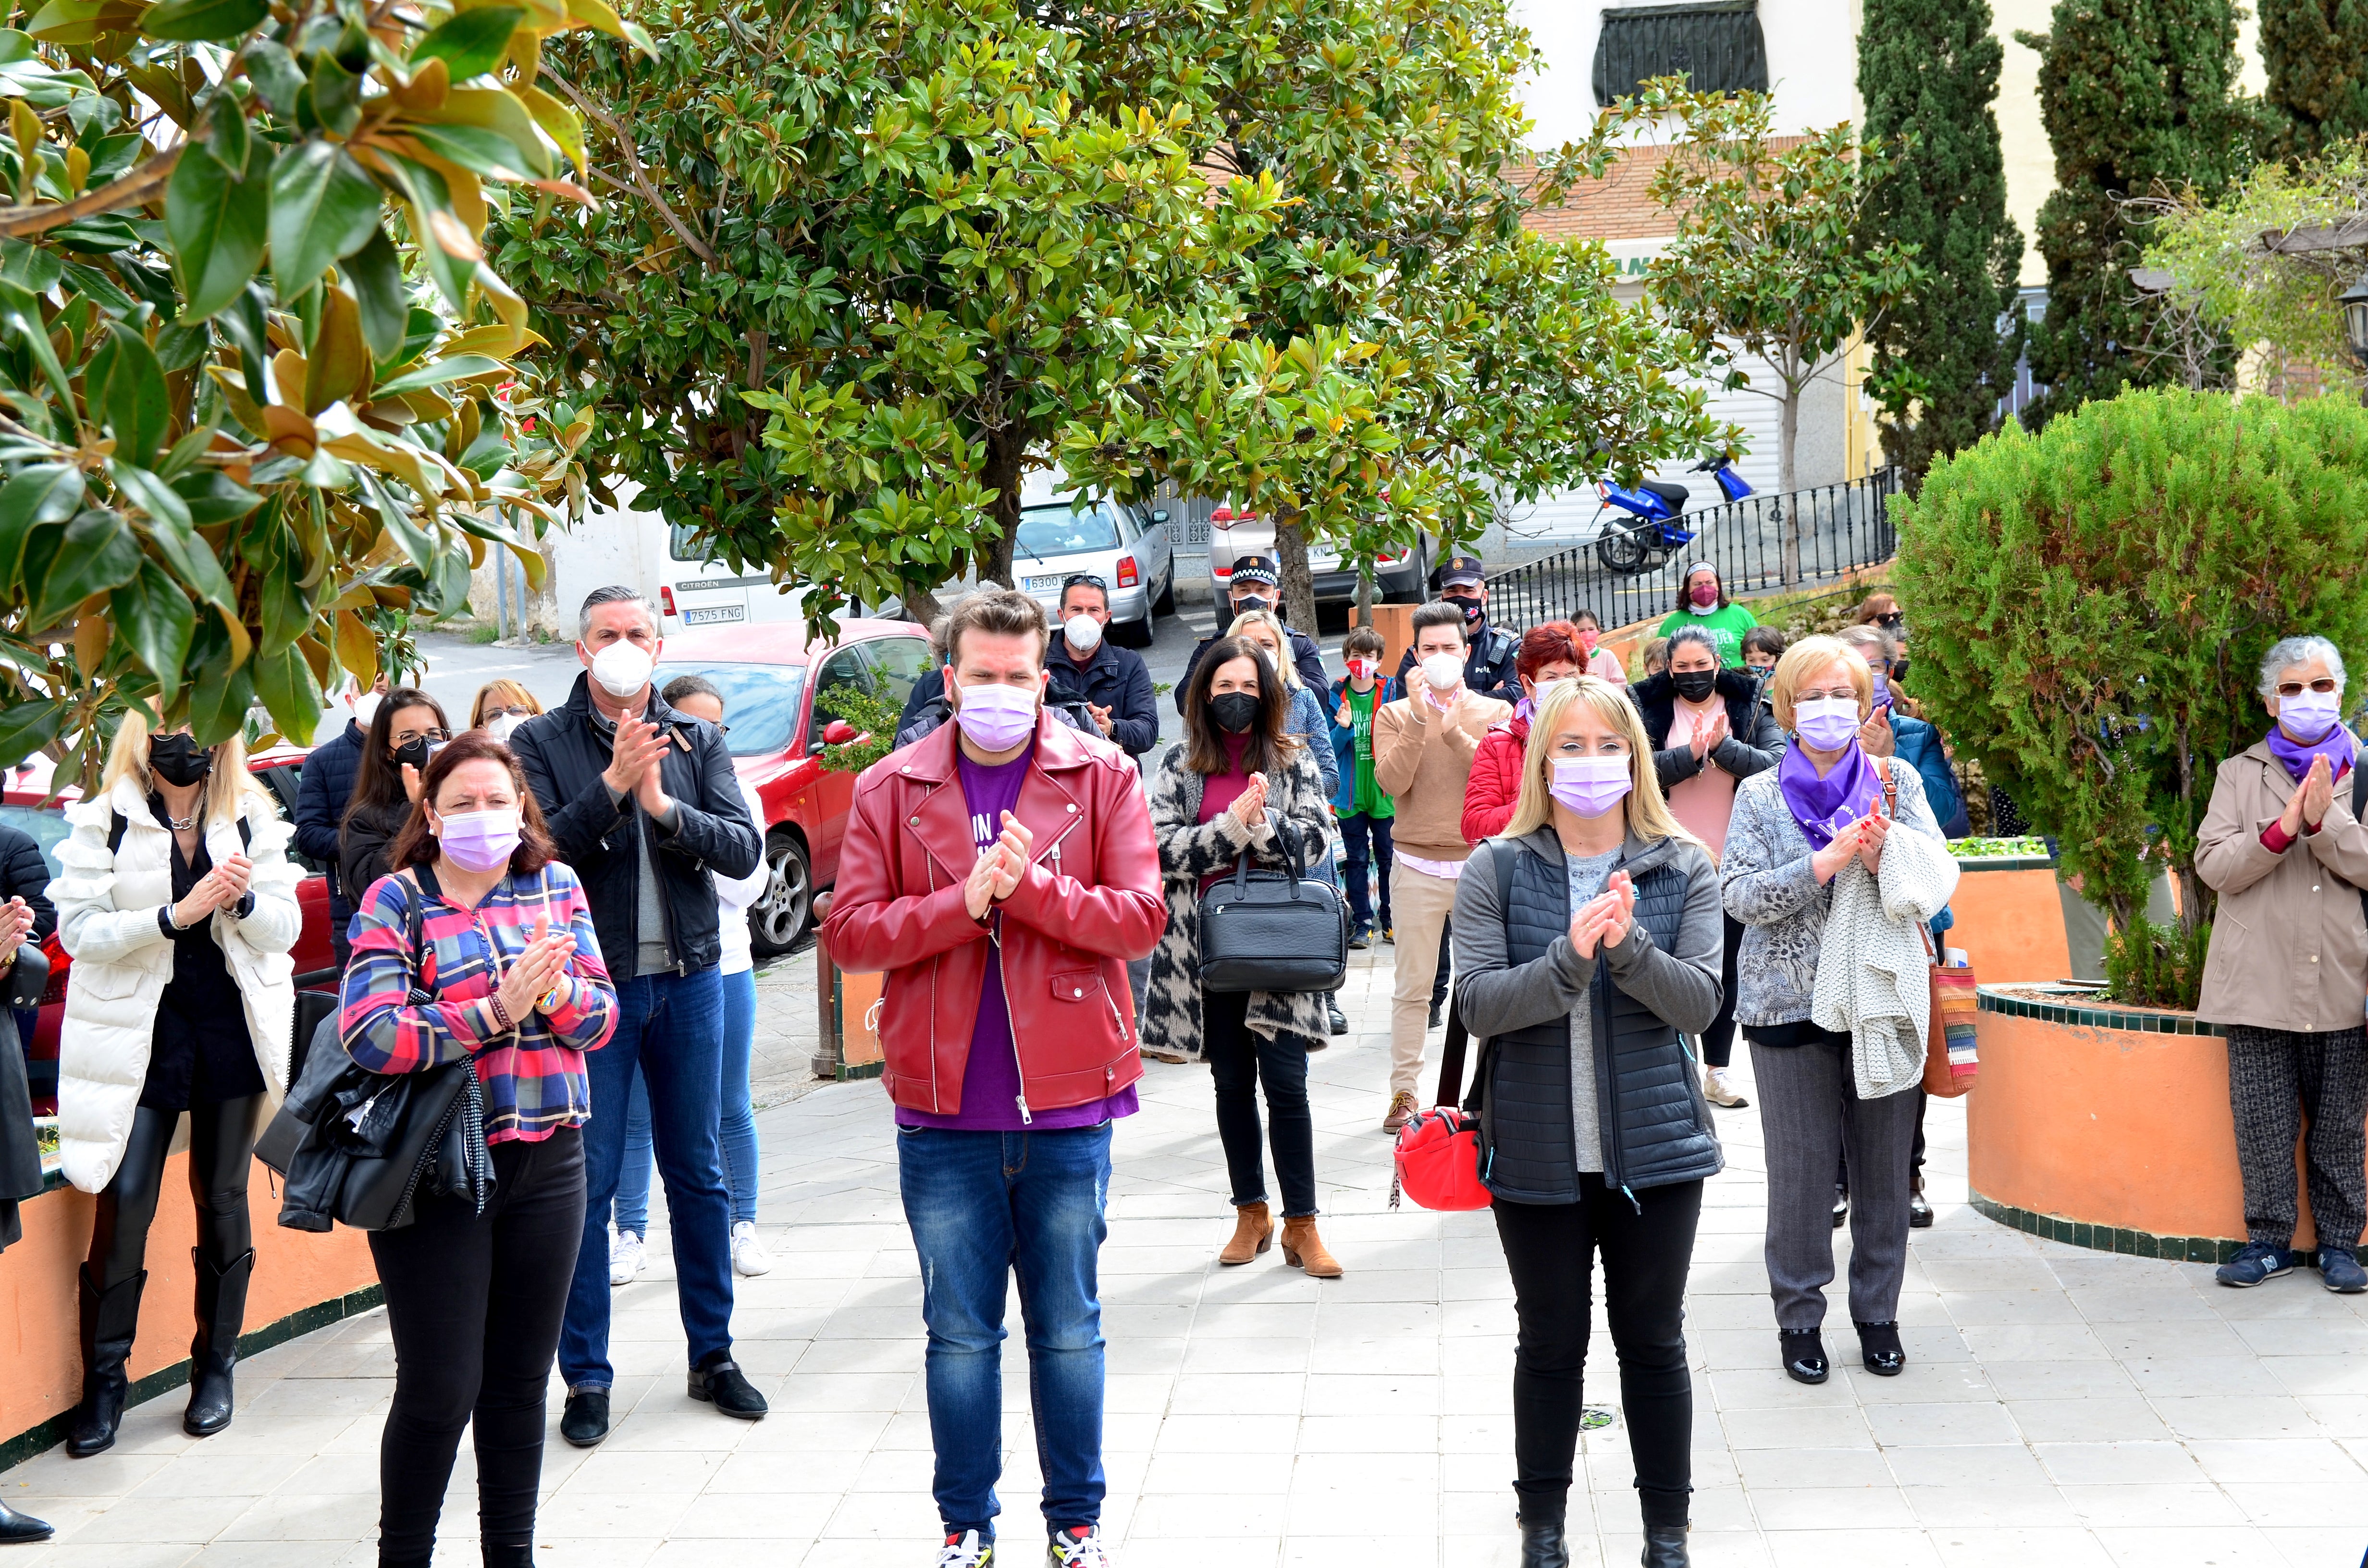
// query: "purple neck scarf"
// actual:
[[1823, 806], [2338, 745]]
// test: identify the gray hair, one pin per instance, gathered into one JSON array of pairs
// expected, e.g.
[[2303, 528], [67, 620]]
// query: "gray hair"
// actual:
[[1870, 636], [2288, 651], [615, 594], [1695, 634]]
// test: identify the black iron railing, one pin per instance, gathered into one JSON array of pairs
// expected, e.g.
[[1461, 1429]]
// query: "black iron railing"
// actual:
[[1841, 529]]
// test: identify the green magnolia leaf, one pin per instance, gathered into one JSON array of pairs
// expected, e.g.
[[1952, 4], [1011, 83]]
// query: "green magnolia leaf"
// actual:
[[452, 368], [138, 407], [218, 227], [22, 314], [227, 135], [213, 497], [275, 74], [26, 728], [324, 207], [336, 97], [186, 451], [219, 696], [287, 612], [29, 267], [469, 44], [376, 273], [153, 613], [191, 558], [488, 152], [98, 552], [202, 21], [284, 681], [45, 492]]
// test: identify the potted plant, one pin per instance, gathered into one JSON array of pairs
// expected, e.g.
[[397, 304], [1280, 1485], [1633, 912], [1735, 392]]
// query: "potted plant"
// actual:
[[2091, 604]]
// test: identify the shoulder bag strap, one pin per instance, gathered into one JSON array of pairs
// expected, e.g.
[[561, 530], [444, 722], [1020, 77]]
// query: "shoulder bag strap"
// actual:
[[1451, 1057], [2360, 808], [1890, 787]]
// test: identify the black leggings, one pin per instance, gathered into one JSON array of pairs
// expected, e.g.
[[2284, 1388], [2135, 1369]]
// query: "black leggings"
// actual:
[[1550, 1249], [474, 1304], [221, 1149], [1718, 1040], [1239, 1060]]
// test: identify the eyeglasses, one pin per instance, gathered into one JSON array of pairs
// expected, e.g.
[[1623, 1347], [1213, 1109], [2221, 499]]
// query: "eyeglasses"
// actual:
[[2323, 685], [1083, 580], [1894, 618], [513, 712], [404, 737]]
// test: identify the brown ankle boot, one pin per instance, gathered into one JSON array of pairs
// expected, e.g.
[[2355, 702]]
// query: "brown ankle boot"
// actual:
[[1253, 1233], [1302, 1248]]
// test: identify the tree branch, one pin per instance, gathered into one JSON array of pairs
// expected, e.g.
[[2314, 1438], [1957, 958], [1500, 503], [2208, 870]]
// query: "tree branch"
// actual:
[[640, 185], [131, 190]]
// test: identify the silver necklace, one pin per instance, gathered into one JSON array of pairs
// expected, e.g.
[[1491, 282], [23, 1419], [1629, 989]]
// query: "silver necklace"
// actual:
[[187, 823]]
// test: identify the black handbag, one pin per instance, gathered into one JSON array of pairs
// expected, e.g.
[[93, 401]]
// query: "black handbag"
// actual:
[[1274, 930], [358, 1148]]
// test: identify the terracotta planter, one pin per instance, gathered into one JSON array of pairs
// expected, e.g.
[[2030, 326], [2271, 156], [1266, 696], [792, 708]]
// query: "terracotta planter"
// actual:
[[2107, 1127], [2010, 918]]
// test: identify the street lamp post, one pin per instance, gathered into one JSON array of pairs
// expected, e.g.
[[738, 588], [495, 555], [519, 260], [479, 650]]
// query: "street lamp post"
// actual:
[[2354, 301]]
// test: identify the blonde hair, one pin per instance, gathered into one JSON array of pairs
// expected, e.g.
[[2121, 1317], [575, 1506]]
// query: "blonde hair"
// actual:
[[227, 786], [504, 691], [1648, 810], [1809, 656], [1285, 665]]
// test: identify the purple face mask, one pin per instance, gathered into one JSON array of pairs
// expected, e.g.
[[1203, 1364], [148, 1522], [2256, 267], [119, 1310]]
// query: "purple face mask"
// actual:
[[995, 716], [480, 841], [1591, 785]]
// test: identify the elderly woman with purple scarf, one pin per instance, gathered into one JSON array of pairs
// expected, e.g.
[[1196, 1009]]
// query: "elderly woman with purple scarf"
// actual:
[[1796, 827], [2287, 972]]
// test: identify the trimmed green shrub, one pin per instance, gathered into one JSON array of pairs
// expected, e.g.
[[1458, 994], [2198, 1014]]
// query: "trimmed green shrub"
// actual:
[[2090, 604]]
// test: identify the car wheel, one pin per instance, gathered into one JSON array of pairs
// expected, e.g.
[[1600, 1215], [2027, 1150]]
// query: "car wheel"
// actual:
[[1133, 633], [1166, 602], [780, 920]]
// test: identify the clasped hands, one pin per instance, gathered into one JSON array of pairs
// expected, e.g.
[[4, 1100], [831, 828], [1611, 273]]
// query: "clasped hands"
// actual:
[[221, 888], [633, 764], [534, 971], [1863, 838], [15, 924], [2306, 807], [1602, 921], [995, 876]]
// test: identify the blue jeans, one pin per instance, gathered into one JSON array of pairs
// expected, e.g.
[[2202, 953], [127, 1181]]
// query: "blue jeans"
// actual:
[[670, 1026], [982, 1205], [1368, 841], [739, 1125]]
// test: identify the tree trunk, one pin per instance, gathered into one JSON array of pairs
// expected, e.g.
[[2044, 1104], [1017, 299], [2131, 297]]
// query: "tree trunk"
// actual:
[[1788, 435], [1298, 583], [1365, 590], [1007, 452]]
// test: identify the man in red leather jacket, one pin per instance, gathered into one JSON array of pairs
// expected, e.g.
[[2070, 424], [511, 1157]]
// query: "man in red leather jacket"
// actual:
[[1001, 871]]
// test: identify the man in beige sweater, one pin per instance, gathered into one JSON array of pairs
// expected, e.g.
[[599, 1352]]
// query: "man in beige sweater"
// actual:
[[1422, 755]]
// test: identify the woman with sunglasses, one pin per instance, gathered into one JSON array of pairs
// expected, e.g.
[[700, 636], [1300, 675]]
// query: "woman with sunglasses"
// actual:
[[1883, 610], [2288, 966], [502, 706], [404, 731]]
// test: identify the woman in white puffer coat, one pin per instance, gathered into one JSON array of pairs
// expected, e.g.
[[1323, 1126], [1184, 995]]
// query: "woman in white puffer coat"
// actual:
[[177, 903]]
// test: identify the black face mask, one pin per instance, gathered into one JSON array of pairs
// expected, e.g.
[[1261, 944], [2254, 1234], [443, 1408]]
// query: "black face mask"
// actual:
[[1243, 606], [1472, 610], [1235, 711], [1695, 685], [1899, 668], [412, 753], [178, 759]]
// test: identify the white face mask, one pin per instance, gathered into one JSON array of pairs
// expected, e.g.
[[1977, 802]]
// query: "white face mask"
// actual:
[[500, 728], [1083, 632], [366, 708], [1444, 671], [622, 668]]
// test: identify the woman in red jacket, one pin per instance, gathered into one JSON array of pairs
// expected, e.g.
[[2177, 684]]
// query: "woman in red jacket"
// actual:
[[1551, 651]]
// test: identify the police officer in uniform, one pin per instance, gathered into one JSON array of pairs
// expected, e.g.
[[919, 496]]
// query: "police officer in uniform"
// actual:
[[1257, 583], [1488, 665]]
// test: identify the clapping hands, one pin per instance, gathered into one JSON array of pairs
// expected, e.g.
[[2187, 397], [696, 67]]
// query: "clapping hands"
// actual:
[[536, 970], [2307, 805], [1601, 922], [995, 876], [1250, 804]]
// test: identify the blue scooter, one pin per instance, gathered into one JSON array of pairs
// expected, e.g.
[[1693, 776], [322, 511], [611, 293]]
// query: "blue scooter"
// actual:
[[1654, 536]]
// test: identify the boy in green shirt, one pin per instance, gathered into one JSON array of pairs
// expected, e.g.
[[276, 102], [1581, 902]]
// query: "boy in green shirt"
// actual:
[[1362, 806], [1702, 601]]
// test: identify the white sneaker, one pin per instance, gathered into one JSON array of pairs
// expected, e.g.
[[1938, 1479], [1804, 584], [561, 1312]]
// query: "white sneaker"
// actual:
[[966, 1550], [1069, 1549], [625, 1257], [1720, 1091], [748, 1254]]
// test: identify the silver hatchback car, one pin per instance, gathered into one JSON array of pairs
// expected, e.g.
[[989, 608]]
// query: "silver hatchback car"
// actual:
[[1126, 549]]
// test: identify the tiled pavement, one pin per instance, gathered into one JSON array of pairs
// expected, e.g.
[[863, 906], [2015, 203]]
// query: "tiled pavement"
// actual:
[[2064, 1408]]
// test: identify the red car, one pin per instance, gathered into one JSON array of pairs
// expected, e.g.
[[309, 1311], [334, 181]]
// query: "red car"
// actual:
[[26, 805], [767, 674]]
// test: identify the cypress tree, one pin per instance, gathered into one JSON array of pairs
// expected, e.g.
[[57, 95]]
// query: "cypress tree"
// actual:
[[1928, 70], [2137, 96], [2316, 55]]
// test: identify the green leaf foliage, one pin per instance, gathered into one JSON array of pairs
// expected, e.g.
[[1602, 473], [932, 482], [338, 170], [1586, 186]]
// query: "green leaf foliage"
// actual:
[[2091, 605], [2315, 56], [472, 43]]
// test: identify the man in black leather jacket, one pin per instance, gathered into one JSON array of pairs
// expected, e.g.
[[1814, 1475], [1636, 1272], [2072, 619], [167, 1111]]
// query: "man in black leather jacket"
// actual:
[[643, 800]]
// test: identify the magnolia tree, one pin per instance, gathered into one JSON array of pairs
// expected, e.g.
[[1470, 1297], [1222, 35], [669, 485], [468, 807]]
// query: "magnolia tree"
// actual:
[[249, 344]]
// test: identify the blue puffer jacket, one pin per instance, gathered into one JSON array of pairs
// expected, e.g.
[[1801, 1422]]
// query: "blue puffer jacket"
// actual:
[[1919, 747], [1344, 739]]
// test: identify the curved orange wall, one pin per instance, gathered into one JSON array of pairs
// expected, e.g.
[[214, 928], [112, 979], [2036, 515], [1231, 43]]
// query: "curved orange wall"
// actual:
[[2010, 925], [40, 1317], [2113, 1126]]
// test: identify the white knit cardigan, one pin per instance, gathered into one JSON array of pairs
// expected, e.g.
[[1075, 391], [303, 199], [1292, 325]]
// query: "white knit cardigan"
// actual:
[[1871, 970]]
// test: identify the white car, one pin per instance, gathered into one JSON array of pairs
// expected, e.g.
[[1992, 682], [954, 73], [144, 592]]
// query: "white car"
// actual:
[[1124, 548], [1402, 576], [695, 591]]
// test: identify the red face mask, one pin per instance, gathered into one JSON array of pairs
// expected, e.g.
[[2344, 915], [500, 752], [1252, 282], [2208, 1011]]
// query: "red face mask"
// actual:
[[1704, 595], [1364, 669], [1589, 637]]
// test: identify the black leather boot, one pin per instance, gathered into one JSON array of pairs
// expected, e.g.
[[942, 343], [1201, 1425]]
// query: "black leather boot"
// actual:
[[1543, 1544], [109, 1319], [1665, 1547], [21, 1530], [1804, 1354], [1878, 1347], [221, 1310], [511, 1556]]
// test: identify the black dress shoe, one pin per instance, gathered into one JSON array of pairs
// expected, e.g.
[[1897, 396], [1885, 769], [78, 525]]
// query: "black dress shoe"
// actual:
[[1544, 1545], [1665, 1547], [586, 1420], [1878, 1345], [1920, 1213], [1339, 1018], [1841, 1207], [21, 1529], [1434, 1016], [1804, 1355], [721, 1384]]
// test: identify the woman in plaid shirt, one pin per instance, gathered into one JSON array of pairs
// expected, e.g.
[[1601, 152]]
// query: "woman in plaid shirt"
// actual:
[[474, 1300]]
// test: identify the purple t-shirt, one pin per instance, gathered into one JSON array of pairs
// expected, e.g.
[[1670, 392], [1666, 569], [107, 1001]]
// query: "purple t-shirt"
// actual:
[[991, 1081]]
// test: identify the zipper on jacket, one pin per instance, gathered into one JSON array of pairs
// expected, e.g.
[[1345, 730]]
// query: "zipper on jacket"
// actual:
[[995, 938], [1607, 1102]]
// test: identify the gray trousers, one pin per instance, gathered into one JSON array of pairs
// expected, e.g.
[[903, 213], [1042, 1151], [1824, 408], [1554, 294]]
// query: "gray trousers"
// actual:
[[2275, 1078], [1810, 1116]]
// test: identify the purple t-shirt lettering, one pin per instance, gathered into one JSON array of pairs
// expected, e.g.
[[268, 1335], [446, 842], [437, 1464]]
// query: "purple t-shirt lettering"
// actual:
[[991, 1080]]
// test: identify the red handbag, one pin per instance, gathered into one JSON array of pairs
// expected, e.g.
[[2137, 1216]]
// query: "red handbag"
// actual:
[[1438, 1151]]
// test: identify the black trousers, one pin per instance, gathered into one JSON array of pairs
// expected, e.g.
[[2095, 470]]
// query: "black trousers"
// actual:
[[221, 1149], [474, 1304], [1446, 970], [1718, 1040], [1550, 1249], [1240, 1059], [2276, 1078]]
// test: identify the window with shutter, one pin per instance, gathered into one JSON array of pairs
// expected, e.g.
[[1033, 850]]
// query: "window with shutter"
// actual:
[[1715, 44]]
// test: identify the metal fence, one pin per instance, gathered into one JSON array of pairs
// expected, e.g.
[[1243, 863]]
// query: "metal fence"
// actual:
[[1842, 527]]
